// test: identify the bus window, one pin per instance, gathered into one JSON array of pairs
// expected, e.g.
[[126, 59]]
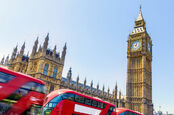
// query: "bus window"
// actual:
[[101, 105], [18, 94], [53, 102], [4, 77], [94, 103], [110, 110], [29, 85], [68, 96], [128, 113], [34, 86], [48, 108], [79, 99], [25, 89], [104, 105], [88, 101], [40, 88]]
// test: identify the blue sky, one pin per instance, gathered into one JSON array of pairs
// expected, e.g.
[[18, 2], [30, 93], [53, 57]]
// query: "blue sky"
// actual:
[[96, 32]]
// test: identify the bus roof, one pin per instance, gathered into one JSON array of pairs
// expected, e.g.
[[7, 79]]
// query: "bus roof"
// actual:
[[61, 91], [120, 110], [17, 74]]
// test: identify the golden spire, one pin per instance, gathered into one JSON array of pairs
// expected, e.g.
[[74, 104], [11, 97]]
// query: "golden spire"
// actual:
[[139, 24], [140, 16]]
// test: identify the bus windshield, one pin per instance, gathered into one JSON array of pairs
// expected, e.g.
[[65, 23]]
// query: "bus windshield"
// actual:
[[50, 105], [128, 113]]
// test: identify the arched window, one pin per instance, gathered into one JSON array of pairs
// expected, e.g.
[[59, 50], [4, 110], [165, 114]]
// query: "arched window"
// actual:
[[45, 71], [55, 72]]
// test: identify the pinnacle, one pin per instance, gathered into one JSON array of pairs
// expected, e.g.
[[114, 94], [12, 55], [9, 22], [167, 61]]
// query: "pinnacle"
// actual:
[[140, 16]]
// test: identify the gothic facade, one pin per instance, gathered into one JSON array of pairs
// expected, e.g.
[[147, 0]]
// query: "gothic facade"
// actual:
[[139, 69], [43, 63], [110, 96], [47, 65]]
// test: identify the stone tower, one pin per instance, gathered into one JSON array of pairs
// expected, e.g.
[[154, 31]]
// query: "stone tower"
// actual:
[[139, 69], [43, 63], [46, 64]]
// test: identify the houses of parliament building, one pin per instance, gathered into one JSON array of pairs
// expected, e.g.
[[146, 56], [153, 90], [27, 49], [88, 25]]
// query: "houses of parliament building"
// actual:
[[47, 65]]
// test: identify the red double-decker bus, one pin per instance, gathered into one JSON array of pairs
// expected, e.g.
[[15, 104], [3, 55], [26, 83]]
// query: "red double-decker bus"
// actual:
[[20, 94], [68, 102], [124, 111]]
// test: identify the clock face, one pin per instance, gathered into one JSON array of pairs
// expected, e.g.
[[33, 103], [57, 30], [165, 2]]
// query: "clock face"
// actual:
[[135, 45], [148, 47]]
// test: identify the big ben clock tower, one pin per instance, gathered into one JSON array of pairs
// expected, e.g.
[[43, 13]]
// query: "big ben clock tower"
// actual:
[[139, 69]]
